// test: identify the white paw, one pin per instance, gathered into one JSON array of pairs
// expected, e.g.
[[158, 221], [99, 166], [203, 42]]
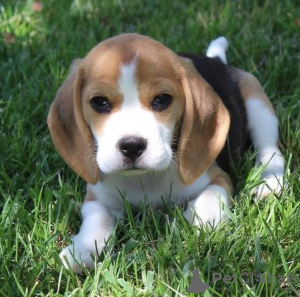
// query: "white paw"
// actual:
[[76, 257], [95, 229], [207, 209], [271, 184]]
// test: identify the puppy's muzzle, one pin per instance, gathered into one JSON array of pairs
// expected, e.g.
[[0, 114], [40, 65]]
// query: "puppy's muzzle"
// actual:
[[132, 147]]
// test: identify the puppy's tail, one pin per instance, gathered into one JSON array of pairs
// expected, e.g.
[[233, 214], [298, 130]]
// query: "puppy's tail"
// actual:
[[217, 49]]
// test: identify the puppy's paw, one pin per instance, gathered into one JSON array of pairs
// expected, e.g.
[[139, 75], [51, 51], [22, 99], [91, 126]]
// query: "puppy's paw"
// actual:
[[77, 257], [207, 209], [271, 184]]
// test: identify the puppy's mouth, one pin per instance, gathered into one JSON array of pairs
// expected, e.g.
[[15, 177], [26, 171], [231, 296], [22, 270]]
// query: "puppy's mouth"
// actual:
[[133, 167]]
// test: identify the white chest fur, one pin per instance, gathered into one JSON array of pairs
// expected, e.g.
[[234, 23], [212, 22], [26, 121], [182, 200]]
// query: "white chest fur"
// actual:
[[153, 187]]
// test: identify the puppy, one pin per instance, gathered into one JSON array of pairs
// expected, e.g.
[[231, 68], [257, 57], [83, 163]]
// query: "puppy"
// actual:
[[134, 117]]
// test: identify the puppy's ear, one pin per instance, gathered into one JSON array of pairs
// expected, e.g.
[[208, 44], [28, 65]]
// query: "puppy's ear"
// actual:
[[70, 133], [205, 125]]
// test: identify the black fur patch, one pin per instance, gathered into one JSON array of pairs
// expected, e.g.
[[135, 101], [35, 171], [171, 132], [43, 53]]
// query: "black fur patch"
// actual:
[[223, 79]]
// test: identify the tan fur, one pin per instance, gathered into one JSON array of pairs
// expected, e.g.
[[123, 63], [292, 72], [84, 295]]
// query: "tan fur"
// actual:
[[251, 88], [204, 128]]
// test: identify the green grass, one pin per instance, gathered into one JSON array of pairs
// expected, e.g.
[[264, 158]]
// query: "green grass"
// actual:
[[40, 197]]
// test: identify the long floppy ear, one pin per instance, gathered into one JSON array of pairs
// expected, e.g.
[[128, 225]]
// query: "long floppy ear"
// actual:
[[70, 133], [205, 125]]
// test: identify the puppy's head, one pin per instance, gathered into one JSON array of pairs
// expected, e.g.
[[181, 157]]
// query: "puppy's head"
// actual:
[[124, 105]]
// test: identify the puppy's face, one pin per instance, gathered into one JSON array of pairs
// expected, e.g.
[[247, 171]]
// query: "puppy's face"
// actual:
[[121, 107], [132, 101]]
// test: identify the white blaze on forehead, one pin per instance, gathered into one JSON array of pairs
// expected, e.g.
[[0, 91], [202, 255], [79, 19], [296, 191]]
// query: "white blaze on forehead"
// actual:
[[128, 85]]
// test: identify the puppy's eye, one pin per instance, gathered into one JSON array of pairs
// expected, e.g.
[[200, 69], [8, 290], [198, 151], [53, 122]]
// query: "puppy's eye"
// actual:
[[161, 102], [100, 104]]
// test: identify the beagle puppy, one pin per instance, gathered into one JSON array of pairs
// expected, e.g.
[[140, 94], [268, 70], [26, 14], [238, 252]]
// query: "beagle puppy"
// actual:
[[135, 119]]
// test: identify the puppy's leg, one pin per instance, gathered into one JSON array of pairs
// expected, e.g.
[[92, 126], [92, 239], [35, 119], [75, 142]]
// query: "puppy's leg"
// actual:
[[98, 224], [207, 208], [263, 128]]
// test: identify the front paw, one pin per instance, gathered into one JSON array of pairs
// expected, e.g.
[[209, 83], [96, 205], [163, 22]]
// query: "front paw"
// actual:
[[208, 208], [270, 184], [77, 257]]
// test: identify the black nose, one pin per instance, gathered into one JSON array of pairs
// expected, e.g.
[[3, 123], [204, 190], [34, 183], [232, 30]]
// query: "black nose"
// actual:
[[132, 147]]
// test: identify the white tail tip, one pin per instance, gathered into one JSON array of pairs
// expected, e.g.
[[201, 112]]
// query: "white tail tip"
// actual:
[[217, 49]]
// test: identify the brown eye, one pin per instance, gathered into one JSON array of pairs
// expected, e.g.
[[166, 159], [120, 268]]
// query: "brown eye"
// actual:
[[100, 104], [161, 102]]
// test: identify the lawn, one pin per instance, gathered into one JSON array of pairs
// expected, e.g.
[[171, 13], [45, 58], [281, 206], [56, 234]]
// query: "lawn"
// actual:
[[40, 196]]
